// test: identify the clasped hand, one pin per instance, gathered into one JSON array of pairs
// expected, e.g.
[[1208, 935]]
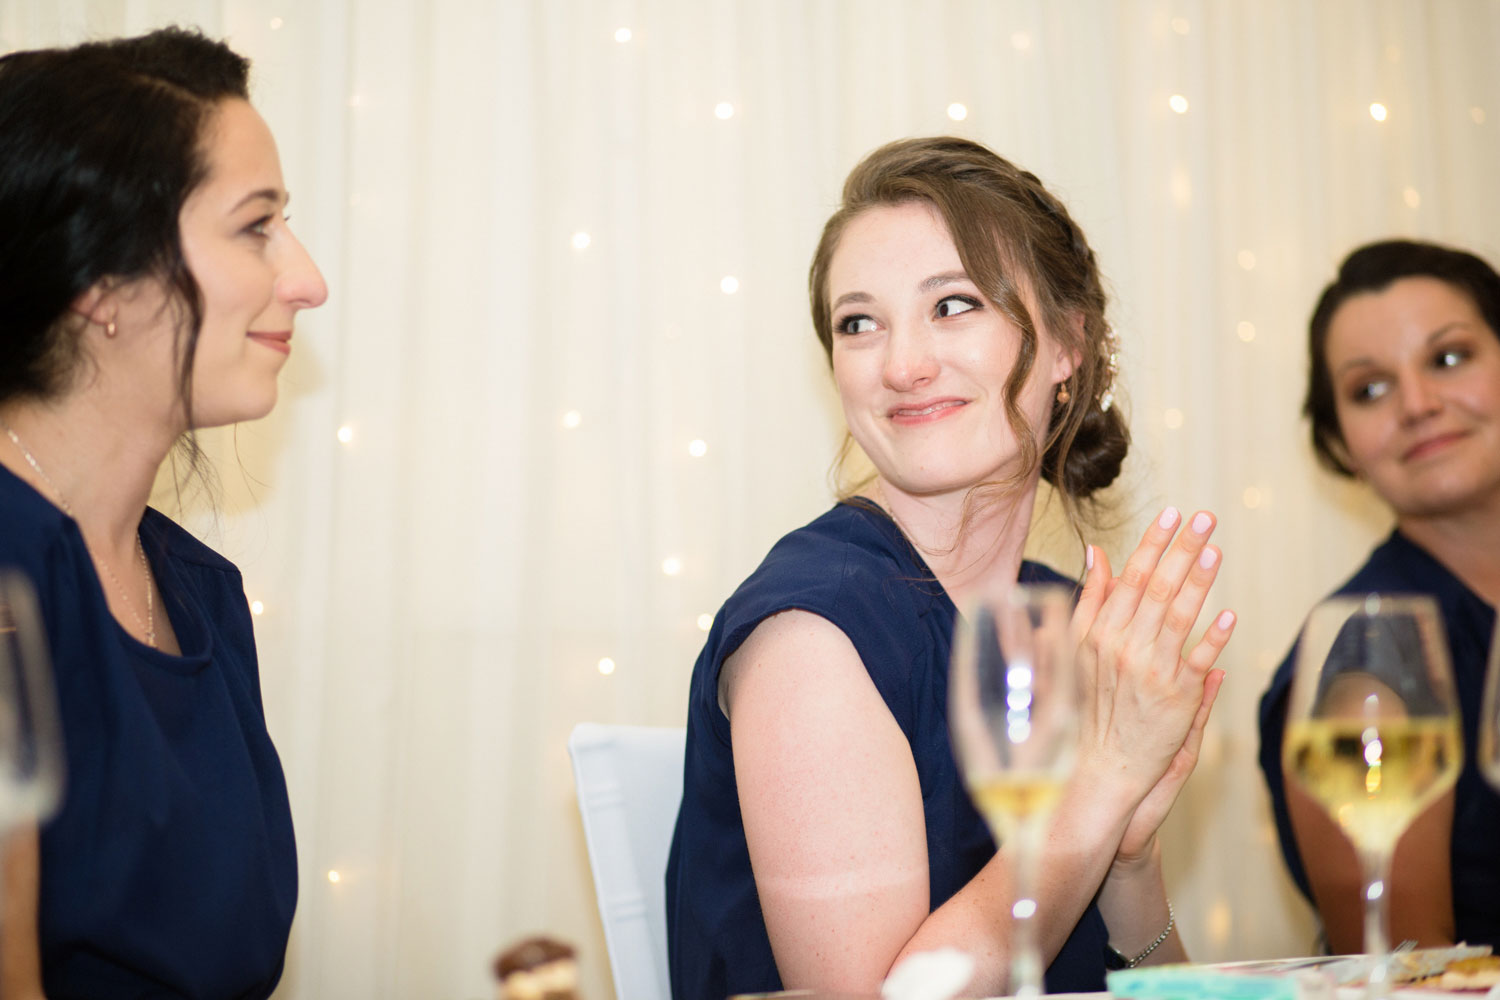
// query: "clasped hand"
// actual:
[[1145, 703]]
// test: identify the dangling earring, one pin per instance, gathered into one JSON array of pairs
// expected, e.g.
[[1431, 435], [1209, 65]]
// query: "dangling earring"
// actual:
[[1062, 392]]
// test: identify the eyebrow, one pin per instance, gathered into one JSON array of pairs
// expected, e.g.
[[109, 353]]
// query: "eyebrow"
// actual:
[[926, 285], [269, 194], [1355, 363]]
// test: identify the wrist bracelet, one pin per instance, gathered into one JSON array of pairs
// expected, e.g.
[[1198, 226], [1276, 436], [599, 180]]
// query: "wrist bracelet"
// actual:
[[1119, 961]]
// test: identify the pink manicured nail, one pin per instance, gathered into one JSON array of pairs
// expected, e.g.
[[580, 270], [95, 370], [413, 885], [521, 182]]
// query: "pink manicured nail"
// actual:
[[1202, 522], [1225, 621], [1207, 558], [1168, 517], [1088, 557]]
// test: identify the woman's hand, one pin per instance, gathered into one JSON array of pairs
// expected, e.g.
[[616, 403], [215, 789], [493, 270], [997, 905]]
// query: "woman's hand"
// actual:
[[1145, 702]]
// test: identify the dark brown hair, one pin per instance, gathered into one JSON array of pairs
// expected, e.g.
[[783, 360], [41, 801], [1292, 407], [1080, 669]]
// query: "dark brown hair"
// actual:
[[1011, 234], [1374, 268], [103, 144]]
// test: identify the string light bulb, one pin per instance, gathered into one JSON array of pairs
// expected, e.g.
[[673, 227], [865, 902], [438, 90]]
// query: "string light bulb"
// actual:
[[705, 622], [671, 565], [1172, 418], [697, 448], [723, 111], [957, 111], [622, 35], [1378, 111], [257, 608], [606, 666], [1178, 103], [581, 240], [1246, 330], [345, 434], [729, 284]]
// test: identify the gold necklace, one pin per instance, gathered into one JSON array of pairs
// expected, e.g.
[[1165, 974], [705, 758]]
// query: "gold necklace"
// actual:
[[149, 624]]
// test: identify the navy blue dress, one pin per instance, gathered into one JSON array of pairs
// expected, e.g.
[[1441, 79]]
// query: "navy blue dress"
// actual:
[[170, 869], [853, 567], [1399, 566]]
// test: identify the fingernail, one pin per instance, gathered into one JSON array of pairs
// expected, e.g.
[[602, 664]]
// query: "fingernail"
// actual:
[[1225, 621], [1088, 557], [1168, 517], [1202, 522], [1208, 557]]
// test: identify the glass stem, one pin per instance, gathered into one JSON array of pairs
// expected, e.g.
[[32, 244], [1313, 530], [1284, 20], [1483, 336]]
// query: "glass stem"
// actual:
[[1025, 957], [1375, 866]]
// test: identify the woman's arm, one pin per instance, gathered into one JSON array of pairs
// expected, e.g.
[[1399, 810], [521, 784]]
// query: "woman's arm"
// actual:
[[833, 817], [20, 955], [1421, 886]]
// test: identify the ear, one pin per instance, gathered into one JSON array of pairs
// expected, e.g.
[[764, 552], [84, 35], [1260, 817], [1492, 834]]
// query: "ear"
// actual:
[[98, 305], [1069, 358]]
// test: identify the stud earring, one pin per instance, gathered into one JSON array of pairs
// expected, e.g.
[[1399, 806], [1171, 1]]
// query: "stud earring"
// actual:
[[110, 329]]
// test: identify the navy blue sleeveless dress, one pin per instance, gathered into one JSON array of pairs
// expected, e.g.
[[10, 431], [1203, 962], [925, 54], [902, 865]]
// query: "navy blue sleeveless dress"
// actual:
[[170, 870], [1399, 566], [853, 567]]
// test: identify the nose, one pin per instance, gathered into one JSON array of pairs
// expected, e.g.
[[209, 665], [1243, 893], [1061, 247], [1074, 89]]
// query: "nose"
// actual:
[[300, 284], [910, 358], [1420, 398]]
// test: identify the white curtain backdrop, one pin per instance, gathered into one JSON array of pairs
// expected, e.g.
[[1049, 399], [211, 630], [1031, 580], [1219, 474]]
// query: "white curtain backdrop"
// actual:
[[561, 252]]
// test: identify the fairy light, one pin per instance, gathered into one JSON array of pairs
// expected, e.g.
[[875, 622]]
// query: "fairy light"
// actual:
[[1180, 25], [1412, 197], [581, 240], [1246, 330], [276, 23], [729, 284], [571, 420], [1178, 103], [1252, 497], [622, 35], [606, 666], [345, 434], [1477, 115], [671, 565], [957, 111], [705, 622], [1020, 41], [1172, 418], [334, 876], [697, 448], [1378, 111], [1246, 259], [723, 111], [257, 608]]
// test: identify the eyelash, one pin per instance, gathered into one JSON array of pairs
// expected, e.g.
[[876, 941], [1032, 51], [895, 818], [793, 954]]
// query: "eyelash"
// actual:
[[845, 324], [258, 227]]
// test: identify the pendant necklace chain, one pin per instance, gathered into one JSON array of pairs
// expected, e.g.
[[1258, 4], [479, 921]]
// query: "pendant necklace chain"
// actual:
[[149, 624]]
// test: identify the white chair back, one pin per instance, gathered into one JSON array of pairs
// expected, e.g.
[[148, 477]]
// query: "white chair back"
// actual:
[[629, 781]]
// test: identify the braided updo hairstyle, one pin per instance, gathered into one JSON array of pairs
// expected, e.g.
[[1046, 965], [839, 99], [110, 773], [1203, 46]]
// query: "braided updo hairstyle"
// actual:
[[1011, 234]]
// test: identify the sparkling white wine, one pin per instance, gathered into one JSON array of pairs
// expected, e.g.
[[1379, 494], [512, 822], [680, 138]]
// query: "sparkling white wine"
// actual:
[[1009, 800], [1374, 777]]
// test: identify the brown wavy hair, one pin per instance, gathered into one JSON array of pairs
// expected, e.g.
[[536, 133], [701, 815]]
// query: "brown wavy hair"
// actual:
[[1011, 234]]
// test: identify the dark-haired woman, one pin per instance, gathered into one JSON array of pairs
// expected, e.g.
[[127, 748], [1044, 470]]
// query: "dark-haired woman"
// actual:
[[148, 286], [824, 832], [1404, 393]]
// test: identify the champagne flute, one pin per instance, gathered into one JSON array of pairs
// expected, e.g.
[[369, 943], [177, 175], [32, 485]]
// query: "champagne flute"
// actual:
[[1013, 719], [1373, 733], [31, 756], [1488, 756]]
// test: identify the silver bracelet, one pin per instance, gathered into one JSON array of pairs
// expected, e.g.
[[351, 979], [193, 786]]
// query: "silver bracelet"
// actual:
[[1131, 963]]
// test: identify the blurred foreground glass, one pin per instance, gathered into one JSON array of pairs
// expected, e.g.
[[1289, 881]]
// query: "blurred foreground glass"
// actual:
[[1373, 733], [1489, 718], [1013, 719], [31, 757]]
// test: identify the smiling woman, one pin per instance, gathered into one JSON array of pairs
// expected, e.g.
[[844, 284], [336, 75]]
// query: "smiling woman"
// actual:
[[149, 285], [1404, 393], [824, 833]]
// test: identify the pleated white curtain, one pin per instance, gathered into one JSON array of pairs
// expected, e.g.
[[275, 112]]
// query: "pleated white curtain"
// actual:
[[565, 392]]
